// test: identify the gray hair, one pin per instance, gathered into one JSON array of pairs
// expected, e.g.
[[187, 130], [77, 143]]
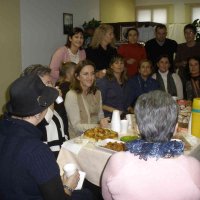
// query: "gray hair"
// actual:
[[38, 69], [156, 116]]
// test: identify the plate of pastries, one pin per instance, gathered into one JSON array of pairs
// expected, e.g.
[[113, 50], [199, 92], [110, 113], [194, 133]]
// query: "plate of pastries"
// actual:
[[111, 145], [96, 134]]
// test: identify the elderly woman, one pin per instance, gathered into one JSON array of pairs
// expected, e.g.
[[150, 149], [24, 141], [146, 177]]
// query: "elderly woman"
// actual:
[[133, 52], [28, 169], [54, 127], [142, 82], [83, 102], [71, 52], [101, 49], [154, 166], [193, 85], [114, 88], [169, 82]]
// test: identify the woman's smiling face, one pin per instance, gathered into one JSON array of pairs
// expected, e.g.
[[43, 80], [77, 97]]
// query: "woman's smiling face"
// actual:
[[86, 77], [194, 67], [163, 64]]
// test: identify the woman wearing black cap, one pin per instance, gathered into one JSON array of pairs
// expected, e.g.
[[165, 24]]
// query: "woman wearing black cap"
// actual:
[[28, 169]]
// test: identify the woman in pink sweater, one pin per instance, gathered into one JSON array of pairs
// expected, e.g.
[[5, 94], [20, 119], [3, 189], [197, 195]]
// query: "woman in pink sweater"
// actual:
[[154, 166], [71, 52]]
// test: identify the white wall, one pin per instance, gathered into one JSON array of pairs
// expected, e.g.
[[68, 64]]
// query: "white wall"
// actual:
[[179, 9], [42, 26]]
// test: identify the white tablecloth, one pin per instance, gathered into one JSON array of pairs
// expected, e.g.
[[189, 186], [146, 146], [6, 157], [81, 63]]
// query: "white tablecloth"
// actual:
[[92, 159]]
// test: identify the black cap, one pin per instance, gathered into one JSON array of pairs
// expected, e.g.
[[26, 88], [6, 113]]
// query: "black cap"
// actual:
[[30, 96]]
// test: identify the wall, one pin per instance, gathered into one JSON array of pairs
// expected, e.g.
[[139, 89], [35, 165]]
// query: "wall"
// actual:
[[31, 30], [10, 56], [117, 11], [42, 26]]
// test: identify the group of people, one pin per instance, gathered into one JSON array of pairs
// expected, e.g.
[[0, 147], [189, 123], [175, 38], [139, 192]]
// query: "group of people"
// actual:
[[93, 82]]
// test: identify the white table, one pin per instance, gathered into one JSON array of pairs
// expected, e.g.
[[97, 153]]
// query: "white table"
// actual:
[[92, 160]]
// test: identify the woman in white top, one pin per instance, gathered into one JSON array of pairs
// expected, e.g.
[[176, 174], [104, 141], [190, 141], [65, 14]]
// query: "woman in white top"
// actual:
[[71, 52], [83, 102], [169, 82]]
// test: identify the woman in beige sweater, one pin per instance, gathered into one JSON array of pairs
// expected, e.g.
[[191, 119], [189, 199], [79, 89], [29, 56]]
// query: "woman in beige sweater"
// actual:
[[83, 102]]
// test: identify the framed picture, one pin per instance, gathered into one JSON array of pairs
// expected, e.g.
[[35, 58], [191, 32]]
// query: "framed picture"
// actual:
[[67, 23], [123, 32]]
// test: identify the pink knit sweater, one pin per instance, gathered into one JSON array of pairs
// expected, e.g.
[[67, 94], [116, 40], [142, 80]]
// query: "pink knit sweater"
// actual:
[[59, 57], [126, 177]]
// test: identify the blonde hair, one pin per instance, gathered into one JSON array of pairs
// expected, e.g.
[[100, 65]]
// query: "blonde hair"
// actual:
[[99, 34], [65, 68], [145, 61]]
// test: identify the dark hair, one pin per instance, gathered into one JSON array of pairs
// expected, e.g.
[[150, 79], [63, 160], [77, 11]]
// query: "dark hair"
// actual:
[[156, 116], [163, 56], [160, 26], [76, 83], [38, 69], [131, 29], [74, 31], [109, 73], [191, 27], [187, 69]]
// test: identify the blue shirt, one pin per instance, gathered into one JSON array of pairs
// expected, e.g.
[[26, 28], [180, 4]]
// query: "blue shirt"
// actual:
[[25, 161], [113, 94], [140, 86]]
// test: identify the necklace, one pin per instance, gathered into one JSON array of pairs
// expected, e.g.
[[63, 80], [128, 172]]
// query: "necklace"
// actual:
[[74, 57]]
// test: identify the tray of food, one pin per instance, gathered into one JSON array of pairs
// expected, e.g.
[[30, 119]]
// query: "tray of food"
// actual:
[[185, 112], [96, 134], [110, 145]]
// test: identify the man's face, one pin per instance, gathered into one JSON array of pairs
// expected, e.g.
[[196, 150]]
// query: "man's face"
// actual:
[[189, 35], [161, 34]]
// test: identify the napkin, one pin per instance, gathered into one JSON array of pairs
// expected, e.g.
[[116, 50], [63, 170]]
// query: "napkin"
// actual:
[[73, 146]]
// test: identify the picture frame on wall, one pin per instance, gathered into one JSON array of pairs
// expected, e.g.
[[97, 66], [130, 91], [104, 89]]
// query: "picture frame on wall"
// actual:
[[67, 23]]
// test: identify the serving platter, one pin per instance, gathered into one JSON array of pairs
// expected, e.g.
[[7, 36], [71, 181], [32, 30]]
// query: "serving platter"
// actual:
[[102, 143]]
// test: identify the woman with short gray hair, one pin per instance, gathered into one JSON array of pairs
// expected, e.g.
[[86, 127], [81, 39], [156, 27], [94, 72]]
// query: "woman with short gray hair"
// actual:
[[154, 166]]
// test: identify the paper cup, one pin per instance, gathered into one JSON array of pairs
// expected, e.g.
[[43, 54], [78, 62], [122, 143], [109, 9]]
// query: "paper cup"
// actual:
[[82, 178], [129, 118], [69, 169], [59, 100], [124, 126], [115, 122]]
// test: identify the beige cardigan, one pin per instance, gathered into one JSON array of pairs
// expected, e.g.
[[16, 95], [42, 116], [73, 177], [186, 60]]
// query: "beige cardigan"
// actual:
[[84, 112]]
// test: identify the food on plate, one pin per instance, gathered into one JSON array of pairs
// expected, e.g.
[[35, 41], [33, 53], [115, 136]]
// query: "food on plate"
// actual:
[[129, 138], [115, 146], [185, 112], [100, 134]]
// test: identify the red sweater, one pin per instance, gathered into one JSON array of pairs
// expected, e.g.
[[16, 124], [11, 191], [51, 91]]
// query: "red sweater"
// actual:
[[135, 51]]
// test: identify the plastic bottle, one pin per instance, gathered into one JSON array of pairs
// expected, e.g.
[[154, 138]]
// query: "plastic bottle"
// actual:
[[196, 117]]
